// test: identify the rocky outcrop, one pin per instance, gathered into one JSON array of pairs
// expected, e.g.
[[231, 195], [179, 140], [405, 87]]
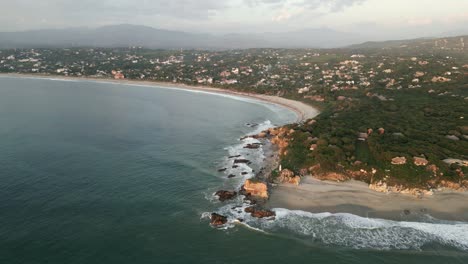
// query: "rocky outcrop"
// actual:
[[256, 189], [280, 137], [225, 195], [332, 176], [296, 180], [240, 161], [318, 173], [460, 187], [287, 176], [218, 220], [384, 188], [253, 146], [259, 213]]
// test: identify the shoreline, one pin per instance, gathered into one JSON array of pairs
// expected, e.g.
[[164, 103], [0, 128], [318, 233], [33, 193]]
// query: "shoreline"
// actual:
[[313, 195], [302, 110], [355, 197]]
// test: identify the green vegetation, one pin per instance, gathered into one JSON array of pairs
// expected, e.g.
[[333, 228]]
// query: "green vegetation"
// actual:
[[416, 91], [415, 124]]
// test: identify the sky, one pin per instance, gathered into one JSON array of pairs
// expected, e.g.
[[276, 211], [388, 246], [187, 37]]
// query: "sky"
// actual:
[[376, 18]]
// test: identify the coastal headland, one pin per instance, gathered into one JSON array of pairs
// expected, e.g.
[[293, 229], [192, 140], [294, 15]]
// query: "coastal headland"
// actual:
[[305, 192]]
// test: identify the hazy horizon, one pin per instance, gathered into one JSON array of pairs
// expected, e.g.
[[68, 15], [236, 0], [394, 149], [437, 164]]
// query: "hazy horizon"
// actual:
[[375, 19]]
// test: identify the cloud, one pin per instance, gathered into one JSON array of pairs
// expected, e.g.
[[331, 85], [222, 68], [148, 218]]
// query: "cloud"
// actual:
[[290, 9], [420, 21], [95, 10], [329, 5], [287, 14]]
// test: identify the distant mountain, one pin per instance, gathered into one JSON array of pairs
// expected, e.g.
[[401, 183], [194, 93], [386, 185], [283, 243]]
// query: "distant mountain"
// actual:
[[457, 42], [132, 35], [108, 36]]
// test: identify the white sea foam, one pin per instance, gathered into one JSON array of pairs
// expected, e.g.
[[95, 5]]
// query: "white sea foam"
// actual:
[[344, 230], [42, 78], [255, 156], [353, 231]]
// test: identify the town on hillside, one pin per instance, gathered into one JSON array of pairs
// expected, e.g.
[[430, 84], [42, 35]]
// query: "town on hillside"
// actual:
[[393, 114]]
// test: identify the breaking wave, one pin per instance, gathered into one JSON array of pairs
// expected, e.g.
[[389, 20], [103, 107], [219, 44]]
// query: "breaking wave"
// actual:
[[352, 231], [256, 158], [342, 229]]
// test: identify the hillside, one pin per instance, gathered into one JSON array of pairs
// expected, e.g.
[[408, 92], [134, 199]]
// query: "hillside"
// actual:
[[448, 43], [134, 35]]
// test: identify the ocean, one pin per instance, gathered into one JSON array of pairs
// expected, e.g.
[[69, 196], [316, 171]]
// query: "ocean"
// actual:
[[110, 173]]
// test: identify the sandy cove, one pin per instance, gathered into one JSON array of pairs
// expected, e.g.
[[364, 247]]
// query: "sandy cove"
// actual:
[[303, 111], [355, 197]]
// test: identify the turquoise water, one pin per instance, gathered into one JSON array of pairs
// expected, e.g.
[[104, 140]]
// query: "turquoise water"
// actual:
[[106, 173]]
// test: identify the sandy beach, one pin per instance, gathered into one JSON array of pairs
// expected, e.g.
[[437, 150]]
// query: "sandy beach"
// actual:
[[317, 196], [356, 198], [303, 111]]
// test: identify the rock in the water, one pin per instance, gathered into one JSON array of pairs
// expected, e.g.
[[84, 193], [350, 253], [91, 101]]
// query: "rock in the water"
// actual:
[[238, 161], [231, 176], [249, 209], [253, 146], [222, 170], [236, 156], [256, 189], [259, 213], [262, 135], [225, 195], [218, 220]]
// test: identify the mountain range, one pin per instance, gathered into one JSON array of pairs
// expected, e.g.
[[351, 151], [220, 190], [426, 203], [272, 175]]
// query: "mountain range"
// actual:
[[134, 35]]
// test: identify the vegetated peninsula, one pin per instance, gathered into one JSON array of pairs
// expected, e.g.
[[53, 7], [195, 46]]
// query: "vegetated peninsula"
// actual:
[[393, 114]]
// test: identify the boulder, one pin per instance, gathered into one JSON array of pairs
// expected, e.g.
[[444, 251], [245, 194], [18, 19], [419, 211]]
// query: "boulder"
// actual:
[[296, 180], [225, 195], [286, 173], [218, 220], [287, 176], [239, 161], [253, 146], [259, 213], [256, 189]]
